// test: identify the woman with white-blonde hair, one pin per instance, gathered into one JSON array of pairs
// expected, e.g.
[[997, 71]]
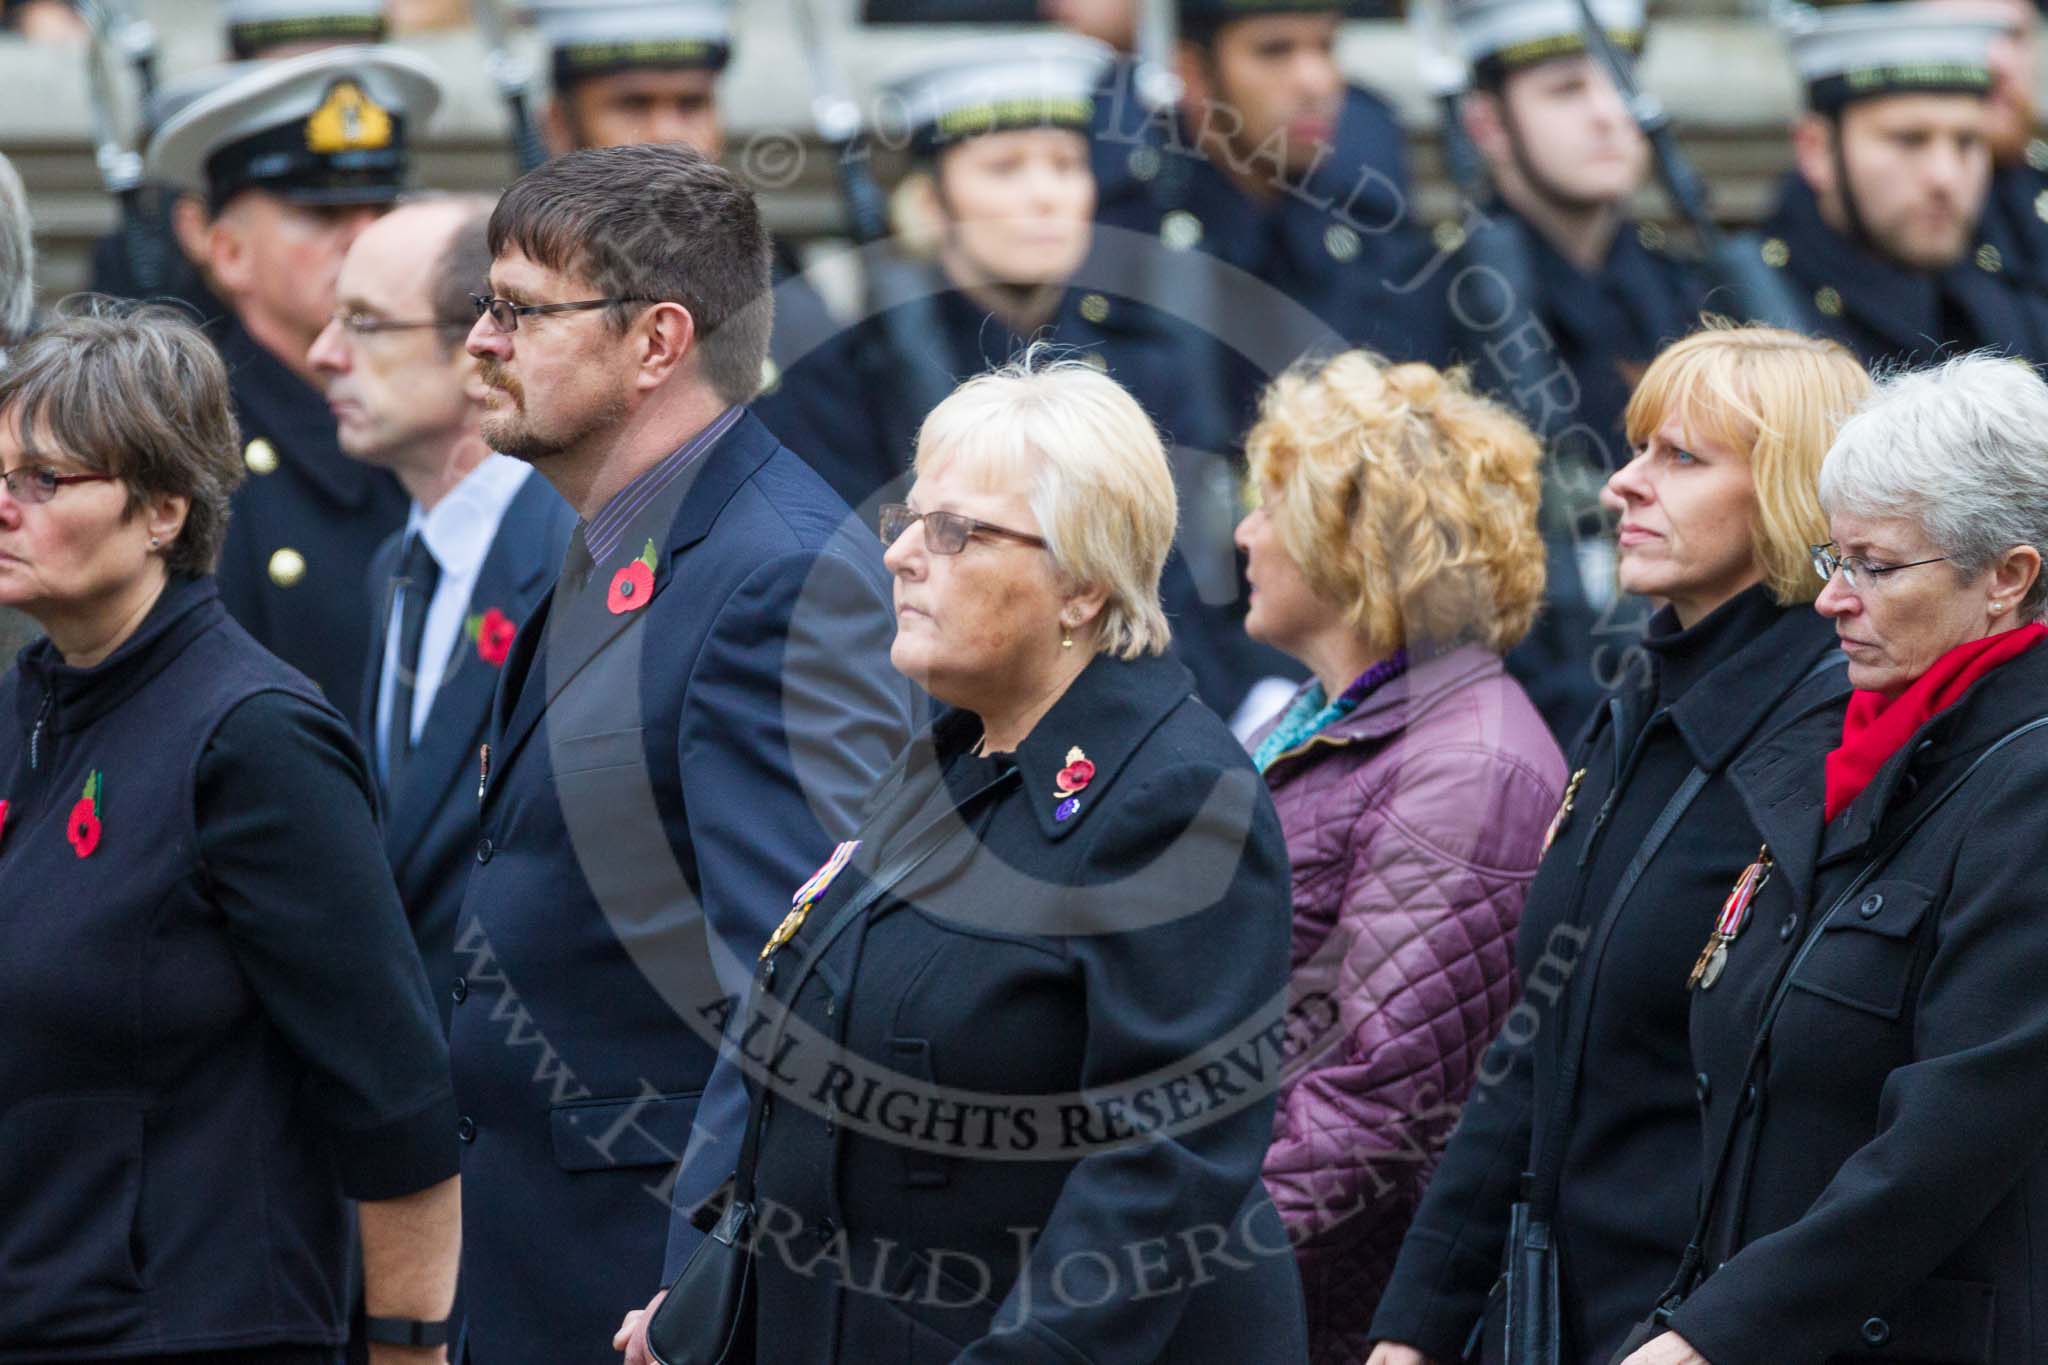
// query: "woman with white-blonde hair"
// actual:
[[1000, 1116]]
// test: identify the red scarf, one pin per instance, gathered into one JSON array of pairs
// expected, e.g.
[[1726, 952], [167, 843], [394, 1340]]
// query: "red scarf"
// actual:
[[1878, 726]]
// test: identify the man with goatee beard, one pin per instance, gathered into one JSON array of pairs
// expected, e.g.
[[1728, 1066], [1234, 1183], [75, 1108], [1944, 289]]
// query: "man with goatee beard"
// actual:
[[682, 730]]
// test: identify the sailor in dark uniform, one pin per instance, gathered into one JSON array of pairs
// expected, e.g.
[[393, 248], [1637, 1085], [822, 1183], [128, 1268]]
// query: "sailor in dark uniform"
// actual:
[[1879, 226], [1000, 135], [1273, 165], [1564, 158], [295, 157], [158, 254], [2016, 215]]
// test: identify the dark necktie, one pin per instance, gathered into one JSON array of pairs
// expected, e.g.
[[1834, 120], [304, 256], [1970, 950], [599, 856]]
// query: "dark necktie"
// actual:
[[576, 566], [412, 589]]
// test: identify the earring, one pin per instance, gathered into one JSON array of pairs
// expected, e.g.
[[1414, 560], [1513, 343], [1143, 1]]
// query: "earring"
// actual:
[[154, 542], [1066, 636]]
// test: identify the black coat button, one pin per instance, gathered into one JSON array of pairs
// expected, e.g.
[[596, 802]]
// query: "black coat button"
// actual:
[[465, 1128], [1876, 1331], [1748, 1097], [1703, 1086], [483, 849], [459, 992], [1789, 927], [1872, 903]]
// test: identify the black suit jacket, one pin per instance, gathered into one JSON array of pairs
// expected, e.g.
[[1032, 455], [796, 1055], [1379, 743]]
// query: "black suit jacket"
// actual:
[[661, 778], [430, 827]]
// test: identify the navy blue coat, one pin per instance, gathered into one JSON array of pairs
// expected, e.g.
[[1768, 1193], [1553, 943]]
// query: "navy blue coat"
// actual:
[[213, 1030], [2016, 217], [1020, 1109], [316, 510], [660, 780], [430, 816], [1328, 259], [1887, 313]]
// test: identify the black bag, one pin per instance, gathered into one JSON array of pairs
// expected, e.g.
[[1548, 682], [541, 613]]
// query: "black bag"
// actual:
[[1523, 1323], [708, 1316]]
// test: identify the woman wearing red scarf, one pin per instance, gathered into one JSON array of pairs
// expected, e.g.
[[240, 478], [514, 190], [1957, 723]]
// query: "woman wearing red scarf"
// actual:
[[1877, 1069]]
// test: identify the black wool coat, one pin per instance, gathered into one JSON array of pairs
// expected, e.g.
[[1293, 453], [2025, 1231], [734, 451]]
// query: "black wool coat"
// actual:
[[1019, 1107], [1628, 1150], [1888, 1178]]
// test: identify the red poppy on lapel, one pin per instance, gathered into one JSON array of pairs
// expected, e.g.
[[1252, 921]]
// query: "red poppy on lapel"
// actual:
[[493, 632], [83, 829], [1078, 773], [3, 820], [633, 586]]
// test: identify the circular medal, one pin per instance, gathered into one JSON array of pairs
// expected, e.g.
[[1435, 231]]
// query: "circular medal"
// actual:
[[1717, 961]]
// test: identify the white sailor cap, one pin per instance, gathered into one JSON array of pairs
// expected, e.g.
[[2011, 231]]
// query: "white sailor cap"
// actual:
[[585, 38], [259, 26], [326, 127], [1509, 34], [1858, 51], [971, 87]]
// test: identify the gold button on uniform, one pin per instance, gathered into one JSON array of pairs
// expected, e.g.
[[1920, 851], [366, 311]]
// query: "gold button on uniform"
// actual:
[[1829, 300], [1144, 163], [260, 456], [287, 567], [1990, 259], [1095, 360], [1342, 242], [1776, 254], [1180, 229], [2037, 155], [1651, 235], [1095, 308], [771, 374], [1448, 236]]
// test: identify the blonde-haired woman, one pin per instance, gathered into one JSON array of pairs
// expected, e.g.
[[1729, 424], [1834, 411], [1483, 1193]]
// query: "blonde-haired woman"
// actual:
[[1394, 552], [991, 1118], [1590, 1087]]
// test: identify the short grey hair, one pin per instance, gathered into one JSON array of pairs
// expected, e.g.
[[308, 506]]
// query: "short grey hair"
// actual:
[[1960, 447], [17, 257]]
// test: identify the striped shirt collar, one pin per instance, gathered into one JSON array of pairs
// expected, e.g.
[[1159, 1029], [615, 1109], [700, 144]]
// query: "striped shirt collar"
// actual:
[[603, 532]]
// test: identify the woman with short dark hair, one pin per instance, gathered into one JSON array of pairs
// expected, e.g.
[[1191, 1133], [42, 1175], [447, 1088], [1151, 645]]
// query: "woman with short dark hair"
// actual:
[[217, 1031]]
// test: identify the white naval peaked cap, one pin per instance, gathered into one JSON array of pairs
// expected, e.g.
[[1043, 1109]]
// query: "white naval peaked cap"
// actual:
[[1517, 33], [588, 37], [973, 86], [256, 26], [1859, 51]]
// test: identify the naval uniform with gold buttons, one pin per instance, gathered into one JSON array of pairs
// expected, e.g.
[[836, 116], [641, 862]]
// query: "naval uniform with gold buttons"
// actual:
[[306, 523], [1889, 313], [1888, 1184], [2016, 216]]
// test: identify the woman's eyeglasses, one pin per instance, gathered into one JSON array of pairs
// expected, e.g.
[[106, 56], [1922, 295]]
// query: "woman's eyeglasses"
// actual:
[[945, 533], [505, 314], [34, 483], [1857, 571]]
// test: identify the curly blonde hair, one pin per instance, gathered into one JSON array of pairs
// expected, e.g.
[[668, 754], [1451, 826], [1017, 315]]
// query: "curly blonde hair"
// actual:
[[1405, 497], [1778, 397]]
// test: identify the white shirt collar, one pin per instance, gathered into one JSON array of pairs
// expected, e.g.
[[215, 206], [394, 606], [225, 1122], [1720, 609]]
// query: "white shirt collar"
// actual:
[[461, 526]]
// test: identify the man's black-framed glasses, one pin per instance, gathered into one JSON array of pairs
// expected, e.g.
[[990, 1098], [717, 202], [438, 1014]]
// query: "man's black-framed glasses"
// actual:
[[35, 483], [945, 533], [1857, 571], [505, 314]]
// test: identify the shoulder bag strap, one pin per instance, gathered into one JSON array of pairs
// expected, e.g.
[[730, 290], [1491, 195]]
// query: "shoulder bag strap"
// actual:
[[1550, 1157]]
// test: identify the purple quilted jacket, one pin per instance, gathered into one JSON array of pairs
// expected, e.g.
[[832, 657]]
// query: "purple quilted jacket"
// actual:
[[1414, 825]]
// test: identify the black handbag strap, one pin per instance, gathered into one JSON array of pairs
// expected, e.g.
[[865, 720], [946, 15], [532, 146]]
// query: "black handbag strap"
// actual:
[[1695, 1251], [1542, 1195], [942, 830]]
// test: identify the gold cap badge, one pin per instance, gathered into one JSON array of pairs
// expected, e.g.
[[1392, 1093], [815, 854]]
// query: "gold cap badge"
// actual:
[[348, 121]]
